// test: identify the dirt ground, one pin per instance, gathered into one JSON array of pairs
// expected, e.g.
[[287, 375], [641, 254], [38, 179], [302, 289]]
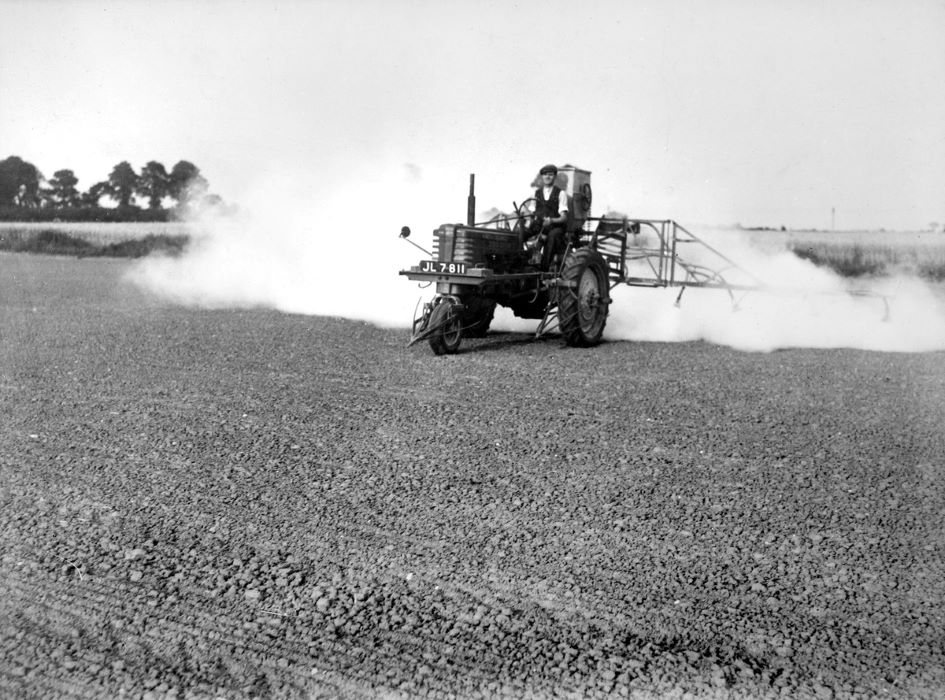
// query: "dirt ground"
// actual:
[[244, 503]]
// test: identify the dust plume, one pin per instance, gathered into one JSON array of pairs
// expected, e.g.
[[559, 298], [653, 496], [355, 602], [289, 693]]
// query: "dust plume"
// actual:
[[798, 305], [334, 250], [303, 246]]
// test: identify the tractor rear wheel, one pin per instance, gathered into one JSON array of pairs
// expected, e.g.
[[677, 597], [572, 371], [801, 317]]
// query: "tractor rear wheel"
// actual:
[[583, 301], [449, 329]]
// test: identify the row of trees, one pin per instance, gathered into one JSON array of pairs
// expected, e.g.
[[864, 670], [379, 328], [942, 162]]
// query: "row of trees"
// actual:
[[24, 191]]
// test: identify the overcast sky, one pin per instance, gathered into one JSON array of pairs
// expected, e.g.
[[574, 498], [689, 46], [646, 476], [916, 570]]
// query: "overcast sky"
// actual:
[[763, 113]]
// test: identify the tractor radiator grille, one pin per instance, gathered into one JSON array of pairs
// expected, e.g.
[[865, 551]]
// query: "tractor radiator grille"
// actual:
[[454, 243]]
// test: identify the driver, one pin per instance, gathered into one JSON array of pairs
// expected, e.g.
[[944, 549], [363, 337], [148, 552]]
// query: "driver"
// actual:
[[551, 216]]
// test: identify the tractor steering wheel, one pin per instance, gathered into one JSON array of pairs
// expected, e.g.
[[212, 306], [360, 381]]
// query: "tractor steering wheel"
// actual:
[[525, 212]]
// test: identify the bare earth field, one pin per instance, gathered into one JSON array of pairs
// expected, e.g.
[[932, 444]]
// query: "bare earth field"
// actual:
[[219, 503]]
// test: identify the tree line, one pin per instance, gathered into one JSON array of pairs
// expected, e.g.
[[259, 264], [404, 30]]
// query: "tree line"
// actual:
[[25, 194]]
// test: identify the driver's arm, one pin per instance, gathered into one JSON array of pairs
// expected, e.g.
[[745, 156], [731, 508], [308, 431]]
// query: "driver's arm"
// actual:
[[562, 208]]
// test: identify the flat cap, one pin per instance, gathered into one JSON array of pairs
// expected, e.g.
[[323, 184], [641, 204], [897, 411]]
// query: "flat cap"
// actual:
[[548, 169]]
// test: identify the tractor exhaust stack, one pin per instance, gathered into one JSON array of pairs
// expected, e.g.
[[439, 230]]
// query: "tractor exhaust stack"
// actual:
[[471, 201]]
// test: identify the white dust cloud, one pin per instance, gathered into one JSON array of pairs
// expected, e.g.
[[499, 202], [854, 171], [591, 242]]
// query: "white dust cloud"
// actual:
[[304, 247], [307, 246], [798, 305]]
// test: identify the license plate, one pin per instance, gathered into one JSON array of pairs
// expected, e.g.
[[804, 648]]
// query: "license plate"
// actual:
[[443, 268]]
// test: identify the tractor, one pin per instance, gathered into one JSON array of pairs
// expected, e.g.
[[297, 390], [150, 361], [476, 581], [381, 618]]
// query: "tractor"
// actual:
[[478, 266]]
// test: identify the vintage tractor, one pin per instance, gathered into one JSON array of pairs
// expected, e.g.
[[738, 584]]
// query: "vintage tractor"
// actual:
[[477, 266]]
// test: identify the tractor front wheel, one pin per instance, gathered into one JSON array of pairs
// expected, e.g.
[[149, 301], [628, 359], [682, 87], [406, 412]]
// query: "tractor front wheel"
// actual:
[[448, 333], [583, 299]]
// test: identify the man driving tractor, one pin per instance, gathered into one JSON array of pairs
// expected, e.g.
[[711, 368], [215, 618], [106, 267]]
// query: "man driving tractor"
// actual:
[[551, 218]]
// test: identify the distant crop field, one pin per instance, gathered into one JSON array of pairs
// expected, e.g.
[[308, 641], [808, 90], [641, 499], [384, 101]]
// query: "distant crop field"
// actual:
[[97, 233], [125, 240], [859, 253]]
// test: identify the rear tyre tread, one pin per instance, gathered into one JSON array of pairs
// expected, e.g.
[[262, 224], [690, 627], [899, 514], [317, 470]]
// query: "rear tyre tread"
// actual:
[[571, 305]]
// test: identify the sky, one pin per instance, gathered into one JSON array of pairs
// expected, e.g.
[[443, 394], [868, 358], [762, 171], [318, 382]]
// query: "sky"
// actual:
[[732, 111]]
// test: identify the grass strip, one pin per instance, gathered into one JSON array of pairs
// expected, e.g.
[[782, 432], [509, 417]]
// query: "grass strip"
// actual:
[[876, 261], [51, 242]]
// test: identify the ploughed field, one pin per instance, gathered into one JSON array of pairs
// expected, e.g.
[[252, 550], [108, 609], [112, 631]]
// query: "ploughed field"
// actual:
[[202, 503]]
